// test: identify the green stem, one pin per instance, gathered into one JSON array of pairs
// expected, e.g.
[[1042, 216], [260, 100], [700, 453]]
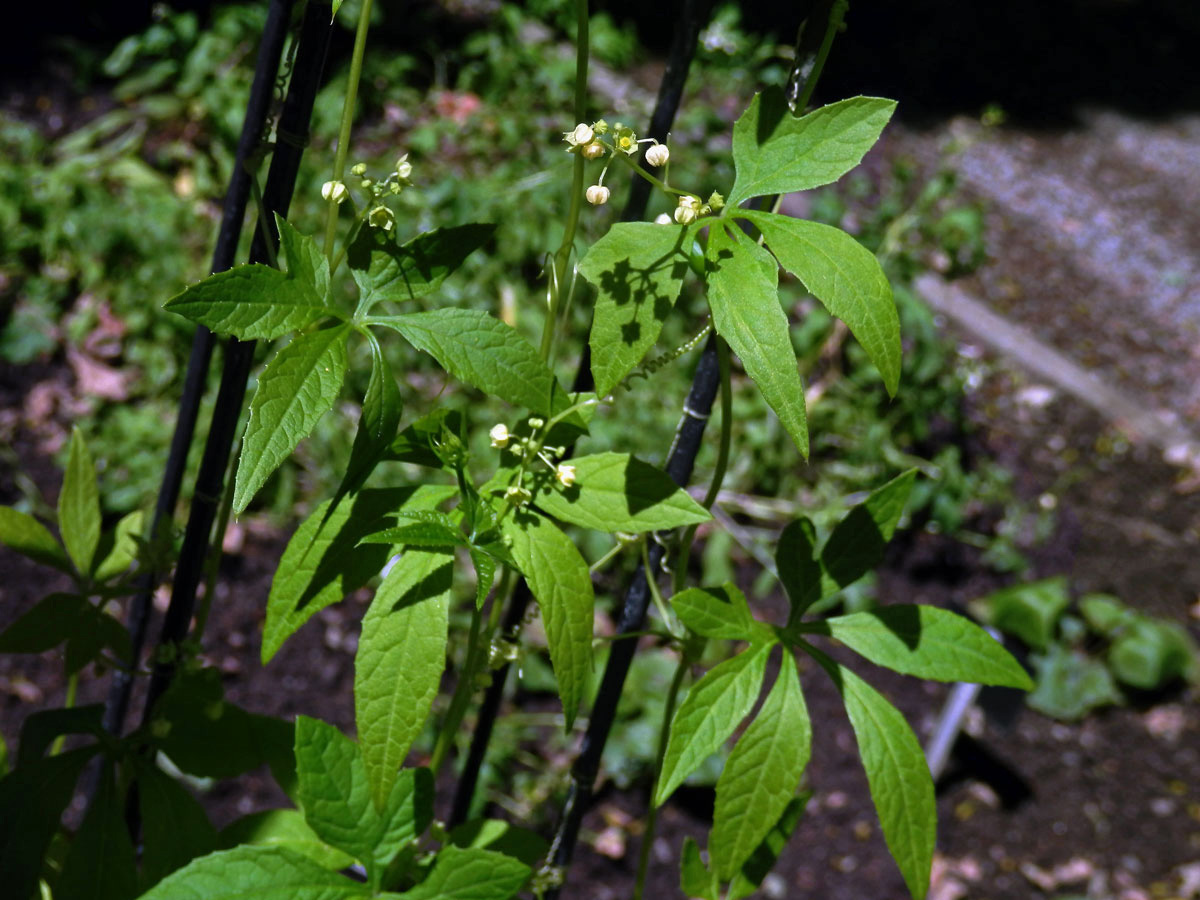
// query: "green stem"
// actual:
[[562, 258], [836, 16], [660, 754], [68, 703], [652, 583], [212, 565], [714, 487], [343, 146]]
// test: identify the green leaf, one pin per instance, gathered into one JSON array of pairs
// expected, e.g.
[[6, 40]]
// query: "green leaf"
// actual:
[[304, 259], [175, 829], [261, 873], [618, 492], [559, 578], [502, 837], [762, 860], [927, 642], [1028, 611], [40, 729], [1150, 654], [100, 863], [775, 152], [896, 772], [799, 571], [377, 425], [1071, 684], [479, 349], [79, 505], [324, 562], [473, 874], [119, 547], [400, 660], [335, 794], [720, 613], [55, 619], [32, 799], [283, 828], [94, 631], [761, 775], [298, 387], [709, 714], [857, 543], [252, 302], [695, 879], [384, 270], [206, 735], [845, 277], [31, 538], [743, 295], [638, 268]]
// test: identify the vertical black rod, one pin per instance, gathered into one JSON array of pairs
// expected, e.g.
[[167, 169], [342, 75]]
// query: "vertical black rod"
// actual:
[[693, 14], [291, 139], [688, 436], [233, 213]]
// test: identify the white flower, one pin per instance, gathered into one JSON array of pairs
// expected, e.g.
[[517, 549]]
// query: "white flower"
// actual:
[[499, 435], [517, 496], [382, 217], [597, 195], [685, 215], [403, 168], [565, 474], [592, 150], [658, 155], [335, 191], [662, 219], [582, 134]]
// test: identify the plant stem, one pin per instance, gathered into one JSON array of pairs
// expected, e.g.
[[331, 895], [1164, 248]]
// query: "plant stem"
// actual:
[[837, 14], [68, 703], [562, 258], [343, 146], [664, 732]]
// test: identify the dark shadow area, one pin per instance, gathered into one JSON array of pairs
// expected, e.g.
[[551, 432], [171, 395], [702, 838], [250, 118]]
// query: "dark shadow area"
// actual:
[[974, 761]]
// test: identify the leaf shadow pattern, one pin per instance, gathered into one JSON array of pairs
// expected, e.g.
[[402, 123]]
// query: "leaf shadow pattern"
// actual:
[[636, 287], [435, 584]]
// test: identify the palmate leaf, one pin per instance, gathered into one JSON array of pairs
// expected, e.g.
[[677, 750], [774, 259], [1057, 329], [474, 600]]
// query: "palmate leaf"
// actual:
[[775, 152], [31, 538], [845, 277], [295, 390], [399, 664], [283, 828], [618, 492], [638, 269], [470, 874], [304, 259], [720, 613], [559, 579], [927, 642], [743, 295], [377, 425], [713, 708], [479, 349], [761, 775], [251, 302], [897, 774], [385, 270]]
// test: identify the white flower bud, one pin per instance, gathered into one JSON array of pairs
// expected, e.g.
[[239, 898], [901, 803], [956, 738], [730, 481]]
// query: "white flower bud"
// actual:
[[499, 435], [685, 215], [403, 168], [335, 191], [658, 155], [565, 474], [662, 219], [582, 134], [597, 195], [592, 150]]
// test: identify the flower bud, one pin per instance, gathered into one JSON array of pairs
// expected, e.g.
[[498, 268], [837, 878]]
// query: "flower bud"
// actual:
[[592, 150], [716, 201], [381, 217], [685, 215], [597, 195], [335, 191], [499, 435], [403, 168], [662, 219], [358, 169], [658, 155], [565, 474], [582, 134], [517, 496]]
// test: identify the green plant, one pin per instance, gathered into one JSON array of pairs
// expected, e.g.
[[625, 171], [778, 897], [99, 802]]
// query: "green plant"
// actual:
[[504, 498], [1093, 659]]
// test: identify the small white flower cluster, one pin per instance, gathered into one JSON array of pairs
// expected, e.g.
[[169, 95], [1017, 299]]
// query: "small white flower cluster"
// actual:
[[585, 140], [530, 447], [379, 215]]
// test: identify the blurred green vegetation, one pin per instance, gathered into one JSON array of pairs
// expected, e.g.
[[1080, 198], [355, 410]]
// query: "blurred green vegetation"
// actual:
[[121, 213]]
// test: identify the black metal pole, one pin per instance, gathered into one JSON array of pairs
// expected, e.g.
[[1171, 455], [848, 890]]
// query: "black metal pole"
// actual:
[[233, 213], [291, 140]]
